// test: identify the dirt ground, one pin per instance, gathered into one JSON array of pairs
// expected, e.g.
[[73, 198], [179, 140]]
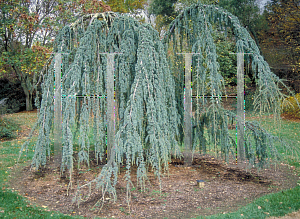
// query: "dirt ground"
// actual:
[[226, 188]]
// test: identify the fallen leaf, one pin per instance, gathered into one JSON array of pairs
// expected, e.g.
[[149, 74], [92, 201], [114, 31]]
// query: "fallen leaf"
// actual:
[[44, 206]]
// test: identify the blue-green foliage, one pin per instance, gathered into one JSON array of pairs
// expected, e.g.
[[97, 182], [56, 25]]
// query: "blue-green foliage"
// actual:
[[192, 31], [45, 122], [151, 110], [147, 118]]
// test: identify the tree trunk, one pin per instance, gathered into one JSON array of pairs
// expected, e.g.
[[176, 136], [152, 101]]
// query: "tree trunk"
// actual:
[[28, 95], [26, 85]]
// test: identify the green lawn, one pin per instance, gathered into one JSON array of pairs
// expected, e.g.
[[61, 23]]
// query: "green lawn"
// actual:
[[289, 131], [276, 204], [13, 205]]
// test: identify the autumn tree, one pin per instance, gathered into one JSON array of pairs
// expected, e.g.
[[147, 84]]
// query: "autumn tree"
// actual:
[[126, 6], [281, 41], [28, 28]]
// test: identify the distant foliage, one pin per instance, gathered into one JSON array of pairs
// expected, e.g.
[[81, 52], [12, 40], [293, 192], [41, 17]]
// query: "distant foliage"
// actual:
[[15, 94], [281, 40], [164, 8], [291, 108], [227, 61], [249, 98]]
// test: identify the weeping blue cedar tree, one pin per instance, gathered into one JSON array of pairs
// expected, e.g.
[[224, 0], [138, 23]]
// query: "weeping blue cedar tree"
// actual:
[[150, 112]]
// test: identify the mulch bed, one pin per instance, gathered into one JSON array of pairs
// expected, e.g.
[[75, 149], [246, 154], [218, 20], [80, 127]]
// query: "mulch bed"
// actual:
[[227, 187]]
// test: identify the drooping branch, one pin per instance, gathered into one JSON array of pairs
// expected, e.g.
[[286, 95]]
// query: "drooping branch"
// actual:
[[192, 31]]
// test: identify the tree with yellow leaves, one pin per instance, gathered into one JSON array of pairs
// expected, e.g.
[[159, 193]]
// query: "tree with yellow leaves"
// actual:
[[28, 28], [281, 41]]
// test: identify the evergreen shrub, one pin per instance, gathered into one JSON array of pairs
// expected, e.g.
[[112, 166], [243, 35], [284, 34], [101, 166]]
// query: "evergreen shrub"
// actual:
[[292, 107]]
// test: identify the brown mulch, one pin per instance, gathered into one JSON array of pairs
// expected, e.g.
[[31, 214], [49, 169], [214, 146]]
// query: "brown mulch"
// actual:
[[289, 117], [227, 187]]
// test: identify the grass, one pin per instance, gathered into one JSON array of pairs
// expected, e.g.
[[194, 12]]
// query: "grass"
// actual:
[[8, 127], [276, 204], [289, 131], [13, 205]]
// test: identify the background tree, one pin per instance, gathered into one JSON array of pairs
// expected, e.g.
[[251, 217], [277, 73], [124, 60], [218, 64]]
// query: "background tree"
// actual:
[[28, 28], [166, 11], [248, 13], [17, 35], [281, 40], [227, 61], [126, 6]]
